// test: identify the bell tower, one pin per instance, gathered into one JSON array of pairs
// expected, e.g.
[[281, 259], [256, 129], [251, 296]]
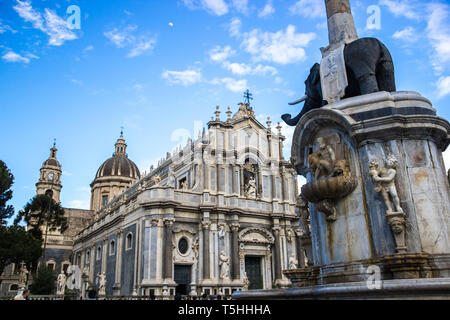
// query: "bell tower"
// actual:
[[50, 177]]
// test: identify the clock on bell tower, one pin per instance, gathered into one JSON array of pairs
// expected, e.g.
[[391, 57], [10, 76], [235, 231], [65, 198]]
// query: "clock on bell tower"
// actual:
[[50, 179]]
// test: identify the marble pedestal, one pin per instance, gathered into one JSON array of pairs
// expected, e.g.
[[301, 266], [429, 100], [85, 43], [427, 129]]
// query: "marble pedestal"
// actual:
[[354, 233]]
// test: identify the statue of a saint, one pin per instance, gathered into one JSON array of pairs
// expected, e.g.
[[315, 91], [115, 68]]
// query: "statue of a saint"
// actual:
[[224, 263], [251, 188], [221, 231], [293, 263], [101, 284], [23, 276], [61, 284], [384, 179]]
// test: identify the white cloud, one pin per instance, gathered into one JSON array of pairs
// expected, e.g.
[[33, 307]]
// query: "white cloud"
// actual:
[[409, 34], [5, 27], [14, 57], [216, 7], [57, 29], [443, 86], [121, 37], [235, 27], [309, 8], [141, 46], [51, 24], [438, 33], [241, 5], [25, 11], [185, 78], [282, 47], [244, 69], [79, 204], [267, 10], [88, 48], [231, 84], [219, 54], [401, 8], [125, 38]]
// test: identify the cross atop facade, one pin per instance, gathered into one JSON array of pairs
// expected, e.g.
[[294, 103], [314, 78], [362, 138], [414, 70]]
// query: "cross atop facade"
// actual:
[[247, 97]]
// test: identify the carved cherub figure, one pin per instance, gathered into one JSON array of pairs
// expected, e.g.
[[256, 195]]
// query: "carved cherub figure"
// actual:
[[303, 207], [293, 263], [385, 182], [397, 224]]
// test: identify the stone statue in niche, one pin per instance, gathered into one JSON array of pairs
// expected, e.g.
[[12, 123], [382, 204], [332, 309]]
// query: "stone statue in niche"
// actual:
[[293, 263], [221, 232], [384, 179], [333, 179], [250, 185], [224, 263]]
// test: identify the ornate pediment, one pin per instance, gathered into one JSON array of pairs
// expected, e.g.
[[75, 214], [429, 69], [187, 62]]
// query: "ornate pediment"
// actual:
[[256, 235]]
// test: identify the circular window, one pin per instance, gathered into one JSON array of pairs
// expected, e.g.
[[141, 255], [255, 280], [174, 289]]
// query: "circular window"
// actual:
[[183, 245]]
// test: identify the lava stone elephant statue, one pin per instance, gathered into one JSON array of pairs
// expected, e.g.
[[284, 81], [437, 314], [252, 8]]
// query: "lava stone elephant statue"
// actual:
[[369, 69]]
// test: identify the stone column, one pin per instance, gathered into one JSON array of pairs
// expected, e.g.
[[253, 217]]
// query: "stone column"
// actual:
[[104, 254], [236, 274], [168, 247], [206, 267], [277, 253], [117, 278], [91, 264]]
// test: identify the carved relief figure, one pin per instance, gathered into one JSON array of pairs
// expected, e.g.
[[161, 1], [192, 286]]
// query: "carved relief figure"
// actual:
[[384, 179], [61, 283], [333, 179], [246, 282], [156, 180], [224, 263], [302, 204]]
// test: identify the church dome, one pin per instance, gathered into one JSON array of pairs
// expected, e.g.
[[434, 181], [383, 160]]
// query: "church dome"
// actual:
[[118, 165]]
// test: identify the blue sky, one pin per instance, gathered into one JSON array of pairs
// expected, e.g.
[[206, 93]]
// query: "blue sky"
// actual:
[[157, 68]]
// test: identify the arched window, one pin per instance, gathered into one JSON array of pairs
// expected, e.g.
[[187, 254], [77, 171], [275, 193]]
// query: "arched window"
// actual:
[[51, 265], [112, 248], [99, 253], [65, 266], [88, 256], [129, 241], [13, 287]]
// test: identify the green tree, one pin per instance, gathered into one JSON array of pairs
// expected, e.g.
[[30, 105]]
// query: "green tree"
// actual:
[[18, 245], [6, 181], [44, 282], [42, 212]]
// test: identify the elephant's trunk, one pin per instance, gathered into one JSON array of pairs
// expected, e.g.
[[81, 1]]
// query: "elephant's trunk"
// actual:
[[299, 100]]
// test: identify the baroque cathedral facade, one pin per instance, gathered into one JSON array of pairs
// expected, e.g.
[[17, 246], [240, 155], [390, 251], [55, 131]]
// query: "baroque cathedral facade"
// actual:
[[218, 215]]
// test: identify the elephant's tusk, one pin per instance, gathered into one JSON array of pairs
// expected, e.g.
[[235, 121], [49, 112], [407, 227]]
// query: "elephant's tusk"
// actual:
[[299, 100]]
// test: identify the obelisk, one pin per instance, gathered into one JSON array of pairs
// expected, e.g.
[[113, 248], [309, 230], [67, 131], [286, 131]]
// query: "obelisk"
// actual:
[[341, 31], [341, 26]]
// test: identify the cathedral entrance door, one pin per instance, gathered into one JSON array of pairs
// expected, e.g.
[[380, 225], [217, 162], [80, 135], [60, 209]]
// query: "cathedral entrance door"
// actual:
[[253, 270], [182, 277]]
